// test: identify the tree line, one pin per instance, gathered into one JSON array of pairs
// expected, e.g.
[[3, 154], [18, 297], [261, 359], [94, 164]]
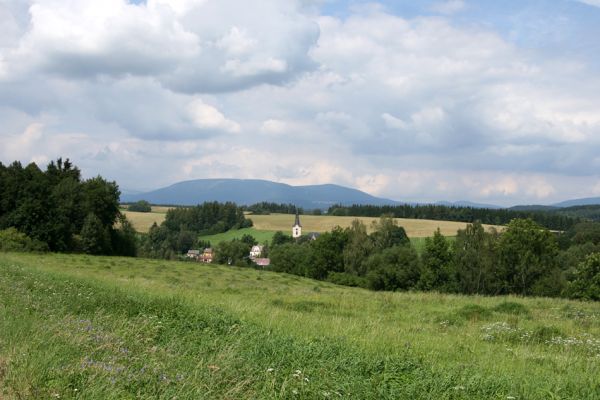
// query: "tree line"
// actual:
[[265, 208], [524, 259], [57, 210], [548, 220]]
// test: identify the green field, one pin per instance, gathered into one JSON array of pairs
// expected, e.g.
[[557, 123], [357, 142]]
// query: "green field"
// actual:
[[260, 236], [117, 328]]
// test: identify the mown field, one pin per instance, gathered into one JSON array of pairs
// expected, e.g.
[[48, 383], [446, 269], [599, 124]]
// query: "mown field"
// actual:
[[115, 328], [143, 221], [415, 228]]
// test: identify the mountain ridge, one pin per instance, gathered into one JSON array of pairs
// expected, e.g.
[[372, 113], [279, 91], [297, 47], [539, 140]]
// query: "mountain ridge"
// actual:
[[252, 191]]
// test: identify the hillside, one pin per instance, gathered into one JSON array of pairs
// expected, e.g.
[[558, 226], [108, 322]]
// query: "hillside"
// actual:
[[112, 328], [589, 201], [252, 191]]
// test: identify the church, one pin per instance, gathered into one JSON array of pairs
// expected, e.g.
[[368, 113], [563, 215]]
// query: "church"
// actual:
[[297, 228]]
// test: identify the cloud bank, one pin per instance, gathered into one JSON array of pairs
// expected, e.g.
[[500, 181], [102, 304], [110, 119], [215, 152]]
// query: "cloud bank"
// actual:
[[424, 107]]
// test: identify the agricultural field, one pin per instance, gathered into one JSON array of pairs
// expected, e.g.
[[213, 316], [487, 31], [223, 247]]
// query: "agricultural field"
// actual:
[[75, 326], [415, 228], [143, 221]]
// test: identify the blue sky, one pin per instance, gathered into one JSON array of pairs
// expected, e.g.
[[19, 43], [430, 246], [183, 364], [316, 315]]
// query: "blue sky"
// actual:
[[488, 101]]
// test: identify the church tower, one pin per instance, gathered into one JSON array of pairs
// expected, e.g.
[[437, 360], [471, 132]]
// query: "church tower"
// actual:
[[297, 228]]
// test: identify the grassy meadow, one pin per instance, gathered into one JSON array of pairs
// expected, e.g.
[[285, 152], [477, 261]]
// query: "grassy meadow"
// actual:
[[260, 236], [76, 326]]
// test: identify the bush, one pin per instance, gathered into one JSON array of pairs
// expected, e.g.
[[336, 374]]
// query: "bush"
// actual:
[[13, 240]]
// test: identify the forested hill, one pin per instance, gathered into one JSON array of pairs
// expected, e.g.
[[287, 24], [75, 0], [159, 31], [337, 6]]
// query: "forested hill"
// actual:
[[252, 191], [549, 220]]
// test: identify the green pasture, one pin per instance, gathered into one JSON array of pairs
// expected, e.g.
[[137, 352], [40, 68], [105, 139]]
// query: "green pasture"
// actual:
[[260, 236], [76, 326]]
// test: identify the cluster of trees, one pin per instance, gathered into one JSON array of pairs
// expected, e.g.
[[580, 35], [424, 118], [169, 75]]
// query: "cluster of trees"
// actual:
[[525, 259], [548, 220], [181, 228], [237, 251], [140, 206], [265, 208], [60, 211]]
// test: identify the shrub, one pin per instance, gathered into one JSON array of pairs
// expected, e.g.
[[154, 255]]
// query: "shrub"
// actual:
[[13, 240]]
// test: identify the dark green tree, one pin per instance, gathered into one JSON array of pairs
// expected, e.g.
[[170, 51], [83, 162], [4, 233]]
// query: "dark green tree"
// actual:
[[95, 238], [248, 239], [358, 248], [395, 268], [474, 260], [291, 258], [124, 239], [527, 257], [437, 272], [281, 238], [234, 252], [586, 283], [327, 253], [388, 234]]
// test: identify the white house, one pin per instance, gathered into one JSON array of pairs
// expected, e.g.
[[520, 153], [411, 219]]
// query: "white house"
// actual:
[[297, 228], [256, 251]]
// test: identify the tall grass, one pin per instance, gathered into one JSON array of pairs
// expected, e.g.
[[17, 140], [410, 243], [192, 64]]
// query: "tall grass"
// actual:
[[102, 327]]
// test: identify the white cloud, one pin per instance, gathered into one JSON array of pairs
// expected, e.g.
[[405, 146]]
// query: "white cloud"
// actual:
[[205, 116], [417, 108]]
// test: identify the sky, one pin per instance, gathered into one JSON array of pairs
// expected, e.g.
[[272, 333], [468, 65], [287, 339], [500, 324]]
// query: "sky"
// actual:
[[488, 101]]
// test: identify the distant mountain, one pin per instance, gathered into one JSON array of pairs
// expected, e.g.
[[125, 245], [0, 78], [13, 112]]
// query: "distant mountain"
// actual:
[[579, 202], [251, 191], [533, 207], [464, 203]]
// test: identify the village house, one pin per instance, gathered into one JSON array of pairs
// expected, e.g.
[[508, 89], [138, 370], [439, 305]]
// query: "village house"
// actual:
[[313, 235], [193, 254], [207, 255], [256, 251], [262, 262]]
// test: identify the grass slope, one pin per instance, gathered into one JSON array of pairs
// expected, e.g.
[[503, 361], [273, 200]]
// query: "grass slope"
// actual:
[[260, 236], [99, 327]]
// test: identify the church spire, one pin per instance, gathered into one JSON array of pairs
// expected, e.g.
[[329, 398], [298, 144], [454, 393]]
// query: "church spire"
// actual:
[[297, 228], [297, 222]]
